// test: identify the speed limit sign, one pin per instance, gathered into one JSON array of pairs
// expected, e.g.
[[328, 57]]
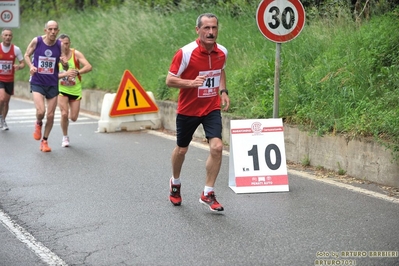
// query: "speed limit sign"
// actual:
[[257, 156], [280, 20], [9, 13]]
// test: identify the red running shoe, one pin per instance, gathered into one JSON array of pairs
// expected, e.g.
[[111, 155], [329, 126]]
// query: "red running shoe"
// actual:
[[211, 202], [37, 135], [44, 146], [174, 195]]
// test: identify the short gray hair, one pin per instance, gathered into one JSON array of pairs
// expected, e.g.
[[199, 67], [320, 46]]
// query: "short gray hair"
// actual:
[[4, 29], [208, 15]]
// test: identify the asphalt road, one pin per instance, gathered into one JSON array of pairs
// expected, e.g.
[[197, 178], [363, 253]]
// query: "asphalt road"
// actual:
[[104, 201]]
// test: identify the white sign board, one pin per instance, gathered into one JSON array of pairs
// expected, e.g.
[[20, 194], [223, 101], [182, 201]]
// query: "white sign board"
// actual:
[[9, 13], [257, 160]]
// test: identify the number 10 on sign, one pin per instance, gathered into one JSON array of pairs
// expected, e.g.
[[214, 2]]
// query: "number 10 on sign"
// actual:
[[257, 156]]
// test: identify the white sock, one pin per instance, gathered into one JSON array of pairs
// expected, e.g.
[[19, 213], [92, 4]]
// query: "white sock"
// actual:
[[175, 181], [207, 190]]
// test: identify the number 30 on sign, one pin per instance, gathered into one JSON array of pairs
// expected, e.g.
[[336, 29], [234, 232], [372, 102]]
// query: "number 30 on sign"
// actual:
[[257, 156]]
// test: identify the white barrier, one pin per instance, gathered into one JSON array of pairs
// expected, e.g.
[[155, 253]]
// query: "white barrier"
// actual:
[[127, 122]]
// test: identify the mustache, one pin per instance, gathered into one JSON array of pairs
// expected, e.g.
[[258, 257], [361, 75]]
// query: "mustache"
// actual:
[[210, 36]]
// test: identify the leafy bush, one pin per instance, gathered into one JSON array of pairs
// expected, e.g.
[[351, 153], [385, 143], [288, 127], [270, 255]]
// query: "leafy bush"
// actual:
[[353, 86]]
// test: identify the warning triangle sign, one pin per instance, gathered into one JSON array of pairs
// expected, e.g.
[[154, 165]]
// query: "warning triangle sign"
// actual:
[[131, 98]]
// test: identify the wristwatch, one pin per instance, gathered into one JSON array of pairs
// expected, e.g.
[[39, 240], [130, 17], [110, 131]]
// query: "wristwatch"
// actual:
[[224, 90]]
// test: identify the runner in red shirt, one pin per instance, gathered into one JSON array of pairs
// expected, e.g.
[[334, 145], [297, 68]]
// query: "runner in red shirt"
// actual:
[[9, 54], [198, 70]]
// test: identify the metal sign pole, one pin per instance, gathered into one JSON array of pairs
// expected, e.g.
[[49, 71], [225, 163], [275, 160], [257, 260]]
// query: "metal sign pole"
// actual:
[[277, 81]]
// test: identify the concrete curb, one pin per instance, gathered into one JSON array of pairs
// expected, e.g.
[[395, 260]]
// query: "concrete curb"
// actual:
[[361, 159]]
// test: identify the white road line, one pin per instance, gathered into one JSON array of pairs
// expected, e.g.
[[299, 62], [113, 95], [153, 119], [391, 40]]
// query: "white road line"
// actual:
[[45, 254], [28, 116], [21, 116], [298, 173], [343, 185]]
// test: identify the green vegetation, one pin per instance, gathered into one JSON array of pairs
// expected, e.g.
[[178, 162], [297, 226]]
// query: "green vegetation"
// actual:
[[337, 77], [341, 171], [305, 161]]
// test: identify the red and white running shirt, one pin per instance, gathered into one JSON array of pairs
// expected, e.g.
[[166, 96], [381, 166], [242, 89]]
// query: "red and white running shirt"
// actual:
[[7, 60], [191, 61]]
